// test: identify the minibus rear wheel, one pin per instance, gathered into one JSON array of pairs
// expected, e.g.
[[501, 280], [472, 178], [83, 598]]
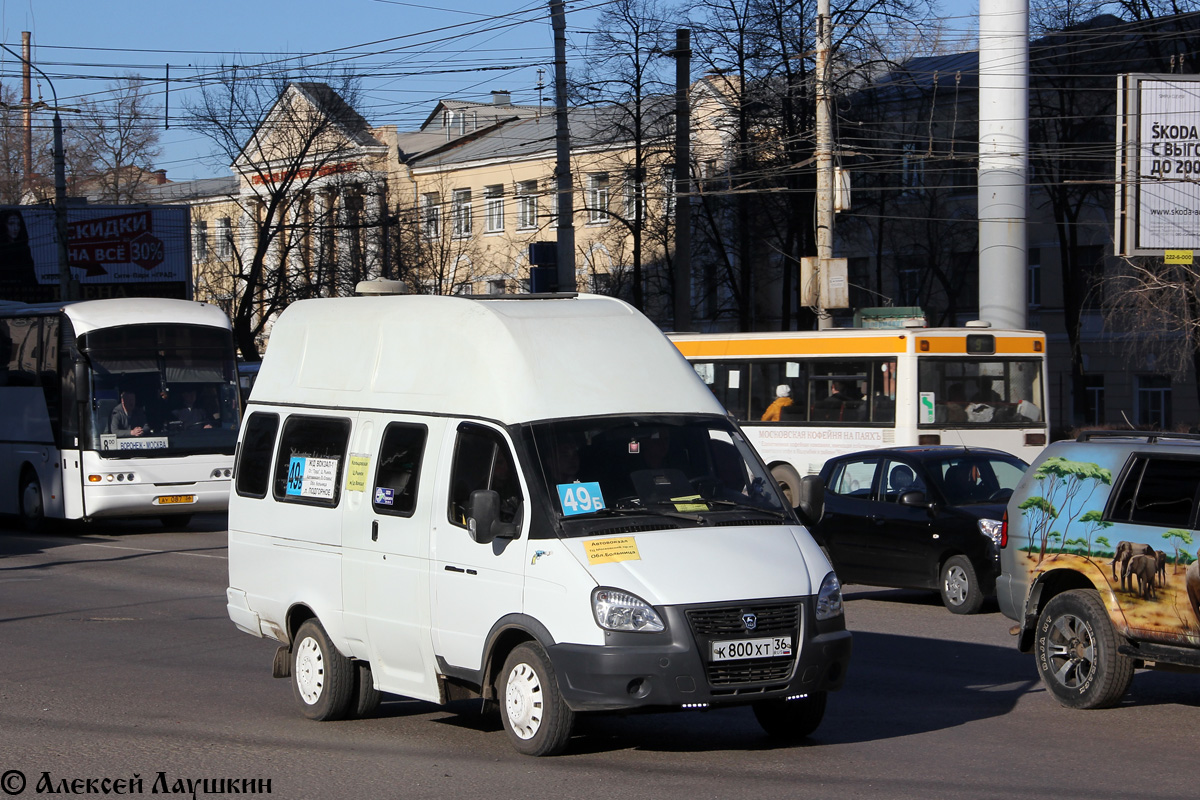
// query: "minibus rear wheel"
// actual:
[[322, 678], [535, 716]]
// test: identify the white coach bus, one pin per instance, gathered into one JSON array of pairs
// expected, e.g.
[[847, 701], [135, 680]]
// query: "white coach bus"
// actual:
[[803, 397], [113, 408]]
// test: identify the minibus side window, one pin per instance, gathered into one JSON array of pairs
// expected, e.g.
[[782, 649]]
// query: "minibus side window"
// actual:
[[254, 458], [312, 456], [399, 469], [482, 460]]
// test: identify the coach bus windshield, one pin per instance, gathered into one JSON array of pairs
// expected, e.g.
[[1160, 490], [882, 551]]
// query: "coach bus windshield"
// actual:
[[161, 390]]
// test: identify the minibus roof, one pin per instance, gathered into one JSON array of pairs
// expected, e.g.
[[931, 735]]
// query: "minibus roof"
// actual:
[[511, 360]]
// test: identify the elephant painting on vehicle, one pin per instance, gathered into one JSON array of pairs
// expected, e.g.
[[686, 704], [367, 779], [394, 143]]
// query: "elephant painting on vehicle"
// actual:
[[1126, 551]]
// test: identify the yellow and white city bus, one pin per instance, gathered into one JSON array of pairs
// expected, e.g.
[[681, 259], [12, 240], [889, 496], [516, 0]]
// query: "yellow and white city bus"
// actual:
[[803, 397]]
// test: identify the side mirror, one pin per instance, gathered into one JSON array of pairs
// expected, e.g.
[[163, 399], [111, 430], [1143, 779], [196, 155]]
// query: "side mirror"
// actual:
[[811, 503], [483, 518], [916, 499]]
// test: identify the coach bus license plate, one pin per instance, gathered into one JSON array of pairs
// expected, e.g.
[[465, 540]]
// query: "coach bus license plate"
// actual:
[[172, 499], [751, 648]]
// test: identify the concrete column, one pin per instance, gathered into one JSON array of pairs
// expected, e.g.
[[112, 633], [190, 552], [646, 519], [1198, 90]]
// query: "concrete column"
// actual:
[[1003, 160]]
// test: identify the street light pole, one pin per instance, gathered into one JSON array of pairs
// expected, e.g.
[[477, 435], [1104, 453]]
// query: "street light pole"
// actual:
[[60, 190]]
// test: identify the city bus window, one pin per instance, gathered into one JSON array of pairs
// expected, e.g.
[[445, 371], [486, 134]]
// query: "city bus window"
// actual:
[[981, 391]]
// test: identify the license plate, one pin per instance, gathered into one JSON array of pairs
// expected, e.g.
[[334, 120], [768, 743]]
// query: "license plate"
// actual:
[[770, 647], [172, 499]]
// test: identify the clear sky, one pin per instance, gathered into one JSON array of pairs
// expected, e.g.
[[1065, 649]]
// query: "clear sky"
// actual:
[[411, 53]]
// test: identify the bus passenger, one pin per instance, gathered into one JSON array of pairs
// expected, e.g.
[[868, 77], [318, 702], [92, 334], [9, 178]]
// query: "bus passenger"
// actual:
[[783, 399]]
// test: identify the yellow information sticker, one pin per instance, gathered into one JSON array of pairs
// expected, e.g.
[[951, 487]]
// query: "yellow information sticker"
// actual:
[[356, 473], [687, 504], [603, 551], [1177, 257]]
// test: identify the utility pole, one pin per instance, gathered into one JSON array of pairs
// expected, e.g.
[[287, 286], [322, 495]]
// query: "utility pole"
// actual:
[[1003, 160], [824, 155], [683, 199], [60, 183], [27, 104], [562, 138]]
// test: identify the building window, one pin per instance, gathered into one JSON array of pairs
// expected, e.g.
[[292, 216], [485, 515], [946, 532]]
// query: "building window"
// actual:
[[908, 283], [527, 215], [460, 210], [1034, 278], [224, 238], [493, 208], [1152, 405], [497, 286], [1093, 399], [199, 241], [597, 197], [431, 215], [1090, 264], [912, 169], [635, 197], [668, 184]]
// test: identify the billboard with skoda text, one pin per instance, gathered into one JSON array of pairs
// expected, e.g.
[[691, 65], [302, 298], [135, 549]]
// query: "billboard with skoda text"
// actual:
[[1159, 165], [112, 251]]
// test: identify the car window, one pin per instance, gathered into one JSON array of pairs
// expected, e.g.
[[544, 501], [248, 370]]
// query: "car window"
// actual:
[[899, 478], [1159, 492], [482, 460], [854, 478]]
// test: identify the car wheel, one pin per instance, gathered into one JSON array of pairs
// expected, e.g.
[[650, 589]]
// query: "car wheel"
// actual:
[[960, 586], [322, 678], [791, 719], [789, 481], [33, 512], [1076, 650], [535, 716]]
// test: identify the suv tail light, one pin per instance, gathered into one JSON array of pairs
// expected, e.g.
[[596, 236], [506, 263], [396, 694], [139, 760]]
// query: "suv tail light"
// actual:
[[1004, 530]]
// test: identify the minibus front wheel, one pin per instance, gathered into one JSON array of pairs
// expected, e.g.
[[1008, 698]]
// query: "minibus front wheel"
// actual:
[[322, 678], [536, 718]]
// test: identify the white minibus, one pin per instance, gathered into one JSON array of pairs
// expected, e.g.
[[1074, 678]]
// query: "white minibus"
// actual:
[[530, 500]]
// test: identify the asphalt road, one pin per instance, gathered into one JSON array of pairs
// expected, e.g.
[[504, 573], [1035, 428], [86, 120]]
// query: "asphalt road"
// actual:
[[117, 659]]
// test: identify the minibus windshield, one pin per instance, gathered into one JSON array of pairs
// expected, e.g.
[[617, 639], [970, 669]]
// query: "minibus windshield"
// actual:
[[691, 469]]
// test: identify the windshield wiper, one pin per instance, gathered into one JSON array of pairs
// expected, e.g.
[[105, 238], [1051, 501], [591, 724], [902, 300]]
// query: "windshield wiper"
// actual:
[[747, 507], [641, 511]]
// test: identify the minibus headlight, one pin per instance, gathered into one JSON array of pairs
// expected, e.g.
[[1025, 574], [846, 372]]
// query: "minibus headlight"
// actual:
[[621, 611], [829, 598], [992, 529]]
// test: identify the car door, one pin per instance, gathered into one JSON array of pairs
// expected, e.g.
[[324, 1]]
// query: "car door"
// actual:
[[474, 584], [845, 528], [903, 540]]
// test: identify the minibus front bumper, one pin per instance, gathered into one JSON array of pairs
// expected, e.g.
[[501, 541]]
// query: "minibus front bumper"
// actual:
[[675, 668]]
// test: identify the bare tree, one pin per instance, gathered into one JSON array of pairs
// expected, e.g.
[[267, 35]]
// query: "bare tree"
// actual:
[[112, 144], [1158, 303], [296, 143]]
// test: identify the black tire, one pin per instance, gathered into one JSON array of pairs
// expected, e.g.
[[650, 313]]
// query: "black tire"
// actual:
[[1076, 650], [791, 719], [322, 678], [789, 481], [33, 510], [959, 586], [366, 696], [535, 716]]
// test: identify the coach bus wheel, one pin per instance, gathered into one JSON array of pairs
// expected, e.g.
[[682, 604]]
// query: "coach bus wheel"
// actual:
[[33, 513]]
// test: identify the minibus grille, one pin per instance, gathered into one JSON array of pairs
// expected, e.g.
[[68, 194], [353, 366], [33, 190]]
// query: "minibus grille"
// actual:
[[658, 526], [728, 523], [717, 623], [727, 620]]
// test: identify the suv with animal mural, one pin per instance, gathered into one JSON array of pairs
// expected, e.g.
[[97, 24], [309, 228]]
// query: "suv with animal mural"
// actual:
[[1096, 562]]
